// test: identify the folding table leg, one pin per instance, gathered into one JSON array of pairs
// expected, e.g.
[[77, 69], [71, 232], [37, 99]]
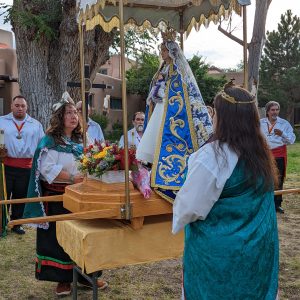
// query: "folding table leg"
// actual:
[[75, 281]]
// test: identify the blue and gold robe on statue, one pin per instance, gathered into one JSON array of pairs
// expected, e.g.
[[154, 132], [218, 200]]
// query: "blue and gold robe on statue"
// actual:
[[185, 127]]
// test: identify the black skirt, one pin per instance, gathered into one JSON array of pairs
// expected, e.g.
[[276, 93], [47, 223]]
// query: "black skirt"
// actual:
[[52, 262]]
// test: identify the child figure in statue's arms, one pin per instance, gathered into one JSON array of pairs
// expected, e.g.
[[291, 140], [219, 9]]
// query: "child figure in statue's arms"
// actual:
[[157, 92]]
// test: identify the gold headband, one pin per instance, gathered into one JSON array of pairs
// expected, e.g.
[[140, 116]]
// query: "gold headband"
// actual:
[[232, 99]]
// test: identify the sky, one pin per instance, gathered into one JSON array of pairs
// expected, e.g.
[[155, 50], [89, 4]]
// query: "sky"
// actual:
[[216, 48]]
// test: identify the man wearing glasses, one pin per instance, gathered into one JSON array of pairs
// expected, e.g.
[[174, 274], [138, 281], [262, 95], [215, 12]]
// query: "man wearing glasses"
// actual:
[[136, 133]]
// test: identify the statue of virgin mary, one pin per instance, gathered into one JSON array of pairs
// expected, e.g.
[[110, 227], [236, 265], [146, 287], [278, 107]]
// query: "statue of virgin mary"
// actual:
[[179, 123]]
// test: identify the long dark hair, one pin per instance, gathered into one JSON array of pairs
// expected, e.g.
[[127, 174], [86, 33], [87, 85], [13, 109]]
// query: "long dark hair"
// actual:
[[238, 125], [56, 127]]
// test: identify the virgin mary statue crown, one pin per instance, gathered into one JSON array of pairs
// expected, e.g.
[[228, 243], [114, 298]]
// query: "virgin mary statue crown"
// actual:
[[169, 35]]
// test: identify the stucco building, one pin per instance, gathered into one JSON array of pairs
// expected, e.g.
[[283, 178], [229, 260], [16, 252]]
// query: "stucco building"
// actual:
[[109, 74], [8, 71]]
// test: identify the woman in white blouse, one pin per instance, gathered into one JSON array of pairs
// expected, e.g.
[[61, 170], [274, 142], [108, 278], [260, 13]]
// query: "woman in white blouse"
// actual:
[[55, 167], [226, 208]]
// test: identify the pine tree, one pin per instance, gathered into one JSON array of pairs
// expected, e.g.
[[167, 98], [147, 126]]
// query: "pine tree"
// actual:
[[280, 65]]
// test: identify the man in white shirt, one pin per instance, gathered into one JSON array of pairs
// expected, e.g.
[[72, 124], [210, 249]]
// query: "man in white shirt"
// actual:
[[278, 133], [21, 135], [94, 131], [136, 133]]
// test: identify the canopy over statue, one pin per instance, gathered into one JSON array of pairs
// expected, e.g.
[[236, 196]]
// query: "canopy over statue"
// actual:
[[181, 15]]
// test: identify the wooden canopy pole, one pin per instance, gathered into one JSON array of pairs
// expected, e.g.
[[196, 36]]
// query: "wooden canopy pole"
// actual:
[[81, 53], [181, 29], [245, 47], [127, 208]]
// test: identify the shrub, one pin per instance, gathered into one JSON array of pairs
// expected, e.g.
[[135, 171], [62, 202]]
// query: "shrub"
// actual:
[[100, 119]]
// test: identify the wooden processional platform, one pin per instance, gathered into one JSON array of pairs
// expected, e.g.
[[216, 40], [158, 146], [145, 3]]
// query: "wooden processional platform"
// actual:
[[94, 195]]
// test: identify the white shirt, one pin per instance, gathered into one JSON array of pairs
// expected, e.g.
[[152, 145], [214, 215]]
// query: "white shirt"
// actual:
[[203, 186], [53, 162], [274, 141], [133, 138], [94, 131], [31, 133]]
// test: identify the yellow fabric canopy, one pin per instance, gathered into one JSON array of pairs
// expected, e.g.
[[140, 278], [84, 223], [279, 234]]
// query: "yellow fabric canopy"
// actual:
[[182, 15]]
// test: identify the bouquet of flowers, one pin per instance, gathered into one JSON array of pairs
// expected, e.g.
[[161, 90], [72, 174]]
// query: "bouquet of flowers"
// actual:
[[100, 158]]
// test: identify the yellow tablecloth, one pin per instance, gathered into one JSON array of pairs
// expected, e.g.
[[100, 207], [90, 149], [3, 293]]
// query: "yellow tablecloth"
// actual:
[[104, 244]]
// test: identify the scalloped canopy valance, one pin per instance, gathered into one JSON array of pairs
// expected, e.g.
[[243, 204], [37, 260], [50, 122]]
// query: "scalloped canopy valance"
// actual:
[[182, 15]]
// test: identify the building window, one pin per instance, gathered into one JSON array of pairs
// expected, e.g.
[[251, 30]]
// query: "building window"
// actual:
[[103, 71], [115, 103]]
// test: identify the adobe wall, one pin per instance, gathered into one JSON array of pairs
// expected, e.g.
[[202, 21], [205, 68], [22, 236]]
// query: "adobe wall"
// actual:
[[8, 66], [134, 102]]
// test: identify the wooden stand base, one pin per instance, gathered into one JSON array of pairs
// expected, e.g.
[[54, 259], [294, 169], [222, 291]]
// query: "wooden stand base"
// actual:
[[92, 195]]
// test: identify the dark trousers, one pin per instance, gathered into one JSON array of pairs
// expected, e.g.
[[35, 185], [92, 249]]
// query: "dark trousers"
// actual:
[[281, 168], [17, 180]]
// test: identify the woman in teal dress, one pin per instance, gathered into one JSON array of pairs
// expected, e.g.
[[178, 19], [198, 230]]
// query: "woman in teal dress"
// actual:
[[55, 167], [226, 208]]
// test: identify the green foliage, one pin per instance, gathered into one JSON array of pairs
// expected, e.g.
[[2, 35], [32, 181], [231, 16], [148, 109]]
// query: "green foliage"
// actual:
[[139, 76], [100, 119], [117, 126], [136, 42], [208, 85], [297, 132], [238, 68], [293, 159], [115, 134], [41, 18], [280, 65]]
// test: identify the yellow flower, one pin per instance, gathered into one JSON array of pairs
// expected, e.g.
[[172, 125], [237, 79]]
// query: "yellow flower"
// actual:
[[103, 153], [100, 155], [84, 161]]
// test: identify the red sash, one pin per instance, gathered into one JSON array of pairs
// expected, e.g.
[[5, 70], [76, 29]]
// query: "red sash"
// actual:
[[24, 163], [281, 152]]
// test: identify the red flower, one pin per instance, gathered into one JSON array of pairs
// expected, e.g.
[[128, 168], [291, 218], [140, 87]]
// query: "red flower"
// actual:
[[117, 156]]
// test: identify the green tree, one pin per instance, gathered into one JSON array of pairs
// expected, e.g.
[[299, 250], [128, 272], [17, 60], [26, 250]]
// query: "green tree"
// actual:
[[280, 65], [208, 85], [140, 75], [136, 42]]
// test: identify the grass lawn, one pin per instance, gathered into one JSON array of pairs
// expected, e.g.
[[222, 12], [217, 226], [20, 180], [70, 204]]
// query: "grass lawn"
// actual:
[[151, 281]]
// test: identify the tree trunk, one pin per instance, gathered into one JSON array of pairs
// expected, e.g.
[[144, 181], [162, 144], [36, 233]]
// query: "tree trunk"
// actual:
[[257, 42], [256, 45], [45, 66], [290, 113]]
